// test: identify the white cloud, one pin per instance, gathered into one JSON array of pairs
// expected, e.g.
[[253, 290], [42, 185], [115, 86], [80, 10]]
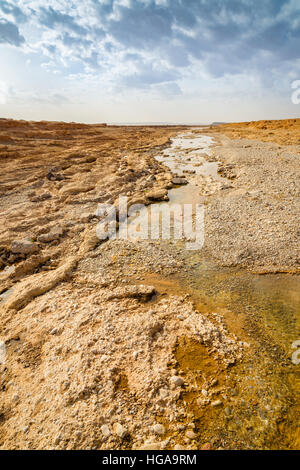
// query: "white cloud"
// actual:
[[3, 92], [171, 48]]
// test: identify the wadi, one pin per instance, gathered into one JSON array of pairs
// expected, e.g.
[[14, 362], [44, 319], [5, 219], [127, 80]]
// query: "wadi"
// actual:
[[149, 230], [139, 343]]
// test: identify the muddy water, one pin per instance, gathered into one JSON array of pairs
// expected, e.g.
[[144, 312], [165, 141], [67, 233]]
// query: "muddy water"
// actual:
[[262, 392], [185, 157]]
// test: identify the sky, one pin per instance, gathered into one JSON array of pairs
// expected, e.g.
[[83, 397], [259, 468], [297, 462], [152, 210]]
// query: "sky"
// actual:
[[176, 61]]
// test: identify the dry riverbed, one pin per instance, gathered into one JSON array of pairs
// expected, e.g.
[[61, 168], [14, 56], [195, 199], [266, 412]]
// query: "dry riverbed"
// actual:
[[143, 344]]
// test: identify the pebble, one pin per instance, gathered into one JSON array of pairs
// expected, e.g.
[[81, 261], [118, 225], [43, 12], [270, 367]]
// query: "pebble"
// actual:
[[150, 446], [54, 331], [163, 393], [191, 435], [16, 398], [105, 430], [206, 446], [120, 431], [159, 429], [178, 381], [179, 447], [216, 403]]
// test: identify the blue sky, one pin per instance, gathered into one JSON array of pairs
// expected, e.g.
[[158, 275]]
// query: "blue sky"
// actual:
[[149, 60]]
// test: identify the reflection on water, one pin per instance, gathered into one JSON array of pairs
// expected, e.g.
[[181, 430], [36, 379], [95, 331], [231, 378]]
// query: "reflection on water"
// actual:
[[264, 310], [274, 299]]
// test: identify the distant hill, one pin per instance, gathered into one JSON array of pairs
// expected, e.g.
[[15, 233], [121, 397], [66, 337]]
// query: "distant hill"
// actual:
[[156, 124]]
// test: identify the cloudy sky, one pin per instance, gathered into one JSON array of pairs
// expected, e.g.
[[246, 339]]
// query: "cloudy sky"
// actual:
[[149, 60]]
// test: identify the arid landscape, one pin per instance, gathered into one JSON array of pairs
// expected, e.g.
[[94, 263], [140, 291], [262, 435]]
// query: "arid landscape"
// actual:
[[142, 344]]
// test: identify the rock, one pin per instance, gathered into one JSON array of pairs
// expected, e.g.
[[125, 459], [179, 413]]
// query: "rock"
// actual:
[[154, 328], [217, 403], [159, 429], [50, 237], [75, 189], [132, 292], [179, 447], [16, 398], [23, 247], [206, 446], [41, 197], [179, 181], [51, 176], [178, 381], [120, 431], [150, 446], [105, 430], [158, 194], [54, 331], [138, 200], [86, 217], [57, 440], [163, 393], [191, 435], [38, 284]]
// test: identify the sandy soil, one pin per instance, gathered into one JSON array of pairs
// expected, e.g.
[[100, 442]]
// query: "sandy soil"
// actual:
[[105, 349]]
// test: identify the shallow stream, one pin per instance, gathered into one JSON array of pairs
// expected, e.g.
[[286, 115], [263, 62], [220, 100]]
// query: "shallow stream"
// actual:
[[263, 310]]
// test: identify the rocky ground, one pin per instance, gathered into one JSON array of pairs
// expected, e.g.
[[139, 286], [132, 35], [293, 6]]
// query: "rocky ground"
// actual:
[[251, 217], [105, 347]]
